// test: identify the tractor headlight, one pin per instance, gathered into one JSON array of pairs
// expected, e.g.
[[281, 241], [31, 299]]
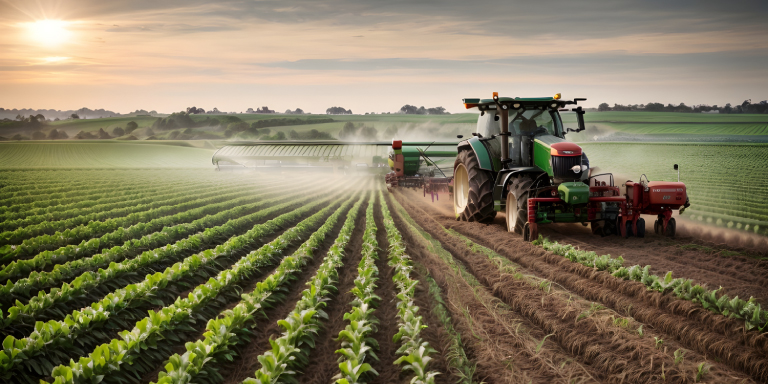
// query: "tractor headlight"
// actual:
[[576, 168], [516, 105]]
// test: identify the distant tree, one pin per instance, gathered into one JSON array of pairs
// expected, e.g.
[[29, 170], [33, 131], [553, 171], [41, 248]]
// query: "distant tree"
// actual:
[[37, 135], [728, 108], [409, 109], [40, 117], [149, 132], [348, 131], [57, 135], [298, 111], [56, 119], [368, 133], [82, 135], [436, 111], [103, 135], [293, 134], [603, 107], [130, 127], [19, 137], [288, 111], [117, 132], [74, 116], [280, 136], [338, 111]]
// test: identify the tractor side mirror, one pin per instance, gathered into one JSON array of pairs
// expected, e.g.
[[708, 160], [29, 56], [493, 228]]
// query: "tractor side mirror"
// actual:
[[579, 118], [676, 167], [459, 136]]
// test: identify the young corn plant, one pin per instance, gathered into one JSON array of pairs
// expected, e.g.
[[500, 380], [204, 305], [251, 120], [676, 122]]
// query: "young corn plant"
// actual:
[[122, 352], [221, 333], [755, 318], [415, 352], [52, 335], [356, 342], [87, 281]]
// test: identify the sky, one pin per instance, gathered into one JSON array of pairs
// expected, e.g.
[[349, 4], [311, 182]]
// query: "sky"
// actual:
[[376, 55]]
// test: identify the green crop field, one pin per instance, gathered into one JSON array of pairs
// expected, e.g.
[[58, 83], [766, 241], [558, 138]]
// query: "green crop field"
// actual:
[[102, 154], [177, 273], [669, 123], [725, 181]]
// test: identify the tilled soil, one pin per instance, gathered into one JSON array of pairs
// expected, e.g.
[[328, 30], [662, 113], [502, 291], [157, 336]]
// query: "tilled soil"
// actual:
[[386, 312], [323, 364], [740, 271], [249, 285], [495, 339], [618, 354], [246, 363]]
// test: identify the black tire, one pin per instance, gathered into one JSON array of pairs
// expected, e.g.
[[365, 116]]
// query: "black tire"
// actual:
[[657, 227], [628, 228], [517, 203], [479, 198], [640, 228], [671, 228]]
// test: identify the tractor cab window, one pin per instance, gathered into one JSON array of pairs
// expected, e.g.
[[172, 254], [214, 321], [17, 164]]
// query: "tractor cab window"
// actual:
[[535, 122]]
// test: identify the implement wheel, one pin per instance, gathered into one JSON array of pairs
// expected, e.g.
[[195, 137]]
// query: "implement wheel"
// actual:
[[472, 189]]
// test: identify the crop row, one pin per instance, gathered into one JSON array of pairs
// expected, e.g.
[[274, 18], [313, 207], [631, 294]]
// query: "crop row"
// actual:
[[151, 206], [93, 229], [136, 236], [134, 199], [88, 280], [86, 190], [54, 188], [300, 326], [414, 350], [62, 333], [120, 353], [749, 311], [356, 339], [28, 203]]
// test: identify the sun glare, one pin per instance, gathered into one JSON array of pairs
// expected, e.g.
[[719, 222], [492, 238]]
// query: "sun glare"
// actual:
[[49, 32]]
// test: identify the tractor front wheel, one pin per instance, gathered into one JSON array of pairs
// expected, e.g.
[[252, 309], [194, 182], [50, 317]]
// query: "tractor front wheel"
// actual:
[[517, 204], [671, 228], [472, 189], [640, 228]]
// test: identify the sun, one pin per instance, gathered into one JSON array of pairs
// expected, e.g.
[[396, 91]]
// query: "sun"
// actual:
[[49, 32]]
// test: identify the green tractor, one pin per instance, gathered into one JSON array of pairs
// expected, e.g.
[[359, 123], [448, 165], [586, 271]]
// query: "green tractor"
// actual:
[[518, 161]]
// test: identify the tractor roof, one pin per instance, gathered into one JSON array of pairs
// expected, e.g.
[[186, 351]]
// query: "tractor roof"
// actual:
[[516, 102]]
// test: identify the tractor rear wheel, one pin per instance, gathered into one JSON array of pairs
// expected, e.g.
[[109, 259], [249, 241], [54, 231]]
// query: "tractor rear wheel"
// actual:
[[517, 204], [472, 189]]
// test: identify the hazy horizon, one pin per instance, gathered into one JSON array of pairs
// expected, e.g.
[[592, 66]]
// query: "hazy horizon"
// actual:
[[371, 56]]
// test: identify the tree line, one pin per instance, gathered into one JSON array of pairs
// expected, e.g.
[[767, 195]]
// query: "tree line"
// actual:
[[746, 107]]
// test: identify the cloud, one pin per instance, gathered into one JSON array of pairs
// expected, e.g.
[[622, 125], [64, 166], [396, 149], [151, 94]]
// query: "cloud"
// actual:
[[367, 43]]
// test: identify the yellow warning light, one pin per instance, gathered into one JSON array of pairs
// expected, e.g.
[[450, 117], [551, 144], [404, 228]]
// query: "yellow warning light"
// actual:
[[495, 95], [557, 96]]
